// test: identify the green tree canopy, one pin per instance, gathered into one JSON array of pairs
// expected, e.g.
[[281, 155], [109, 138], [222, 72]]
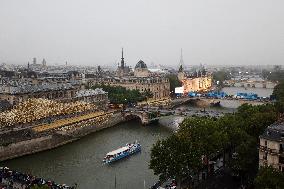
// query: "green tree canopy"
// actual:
[[180, 155], [269, 178], [278, 93], [175, 157], [174, 82], [120, 95], [221, 76], [276, 75], [203, 137]]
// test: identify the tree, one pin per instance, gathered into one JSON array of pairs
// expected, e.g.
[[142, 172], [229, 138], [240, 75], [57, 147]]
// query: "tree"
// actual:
[[278, 93], [269, 178], [221, 76], [276, 75], [254, 119], [203, 137], [175, 157], [174, 82], [147, 94], [120, 95], [180, 155], [244, 160], [204, 133]]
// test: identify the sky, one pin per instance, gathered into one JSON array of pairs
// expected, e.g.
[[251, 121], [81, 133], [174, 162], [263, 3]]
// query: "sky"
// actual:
[[92, 32]]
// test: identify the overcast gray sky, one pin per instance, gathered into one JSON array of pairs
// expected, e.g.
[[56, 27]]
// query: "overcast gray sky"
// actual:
[[92, 32]]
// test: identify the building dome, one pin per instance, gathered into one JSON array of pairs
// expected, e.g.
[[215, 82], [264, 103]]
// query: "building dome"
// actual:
[[141, 70], [141, 64]]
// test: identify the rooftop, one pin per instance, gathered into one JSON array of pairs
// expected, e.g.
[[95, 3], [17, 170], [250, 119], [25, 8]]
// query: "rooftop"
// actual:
[[90, 92], [22, 89], [274, 132], [141, 64], [117, 151]]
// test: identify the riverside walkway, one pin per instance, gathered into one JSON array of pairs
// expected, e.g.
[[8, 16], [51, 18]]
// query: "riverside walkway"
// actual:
[[10, 179], [68, 121]]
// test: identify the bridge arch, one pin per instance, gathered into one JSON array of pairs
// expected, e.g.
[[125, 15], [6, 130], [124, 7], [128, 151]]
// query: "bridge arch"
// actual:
[[142, 116]]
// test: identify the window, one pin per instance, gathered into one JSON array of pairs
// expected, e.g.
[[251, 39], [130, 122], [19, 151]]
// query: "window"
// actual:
[[265, 156], [281, 160], [265, 143]]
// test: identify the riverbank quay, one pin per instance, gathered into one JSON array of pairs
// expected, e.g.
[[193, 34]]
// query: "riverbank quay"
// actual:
[[10, 179], [204, 102], [57, 133]]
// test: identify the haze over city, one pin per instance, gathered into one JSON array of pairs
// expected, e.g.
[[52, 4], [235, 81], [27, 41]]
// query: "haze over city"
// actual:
[[156, 94], [89, 32]]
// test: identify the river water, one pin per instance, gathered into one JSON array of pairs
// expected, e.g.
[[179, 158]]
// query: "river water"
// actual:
[[262, 92], [81, 161]]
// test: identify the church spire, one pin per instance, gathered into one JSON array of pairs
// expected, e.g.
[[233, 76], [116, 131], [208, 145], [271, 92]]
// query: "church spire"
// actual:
[[181, 58], [181, 63], [122, 60]]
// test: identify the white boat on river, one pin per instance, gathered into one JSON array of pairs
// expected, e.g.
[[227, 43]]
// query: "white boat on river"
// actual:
[[122, 152]]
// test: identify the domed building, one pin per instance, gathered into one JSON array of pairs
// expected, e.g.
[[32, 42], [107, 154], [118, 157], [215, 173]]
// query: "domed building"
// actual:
[[141, 70], [142, 80]]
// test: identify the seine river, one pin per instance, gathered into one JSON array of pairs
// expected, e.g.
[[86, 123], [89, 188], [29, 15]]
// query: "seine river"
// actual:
[[81, 161], [262, 92]]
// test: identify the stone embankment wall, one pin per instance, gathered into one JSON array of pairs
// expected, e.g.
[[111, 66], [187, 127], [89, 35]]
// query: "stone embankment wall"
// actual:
[[53, 140], [93, 127], [178, 102], [32, 146]]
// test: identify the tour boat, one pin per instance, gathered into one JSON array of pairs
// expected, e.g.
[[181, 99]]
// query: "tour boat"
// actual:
[[122, 152]]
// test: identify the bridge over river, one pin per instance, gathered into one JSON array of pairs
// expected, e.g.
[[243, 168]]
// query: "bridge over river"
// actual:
[[224, 102], [149, 114], [153, 115]]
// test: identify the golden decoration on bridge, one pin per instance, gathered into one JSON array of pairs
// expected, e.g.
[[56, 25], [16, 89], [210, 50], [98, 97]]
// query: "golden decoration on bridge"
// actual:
[[36, 109]]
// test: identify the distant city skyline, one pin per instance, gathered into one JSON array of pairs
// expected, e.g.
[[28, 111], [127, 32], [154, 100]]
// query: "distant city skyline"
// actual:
[[92, 32]]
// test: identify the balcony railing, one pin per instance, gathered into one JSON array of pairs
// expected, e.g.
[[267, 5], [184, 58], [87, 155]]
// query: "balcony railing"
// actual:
[[263, 148], [263, 161], [269, 150]]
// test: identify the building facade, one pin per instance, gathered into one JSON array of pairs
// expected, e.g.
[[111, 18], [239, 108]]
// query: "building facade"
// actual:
[[271, 147], [18, 94], [202, 81], [142, 80], [141, 70], [98, 97]]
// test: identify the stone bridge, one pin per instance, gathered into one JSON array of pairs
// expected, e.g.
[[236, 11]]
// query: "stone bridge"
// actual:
[[255, 84], [226, 102], [146, 117]]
